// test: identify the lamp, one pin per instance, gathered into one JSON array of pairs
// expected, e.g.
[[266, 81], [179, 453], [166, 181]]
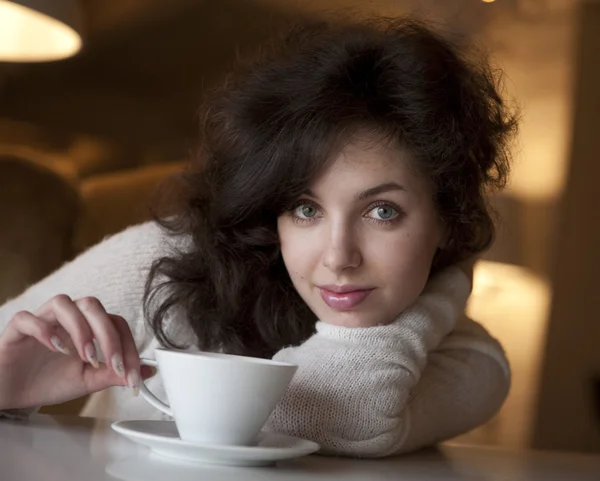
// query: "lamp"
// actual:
[[39, 30]]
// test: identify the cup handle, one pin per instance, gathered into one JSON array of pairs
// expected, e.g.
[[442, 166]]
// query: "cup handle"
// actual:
[[148, 396]]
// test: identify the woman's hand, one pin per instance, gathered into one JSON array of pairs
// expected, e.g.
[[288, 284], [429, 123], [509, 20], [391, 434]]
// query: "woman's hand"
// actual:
[[48, 356]]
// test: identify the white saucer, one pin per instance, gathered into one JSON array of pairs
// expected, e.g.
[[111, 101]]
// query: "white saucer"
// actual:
[[163, 439]]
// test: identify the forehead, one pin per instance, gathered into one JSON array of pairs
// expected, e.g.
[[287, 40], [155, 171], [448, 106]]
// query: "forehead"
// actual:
[[364, 162]]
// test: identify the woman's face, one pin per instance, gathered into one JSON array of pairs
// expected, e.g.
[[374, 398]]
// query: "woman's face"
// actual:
[[358, 245]]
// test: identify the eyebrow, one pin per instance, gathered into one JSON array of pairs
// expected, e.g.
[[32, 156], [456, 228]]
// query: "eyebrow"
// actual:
[[371, 192], [379, 189]]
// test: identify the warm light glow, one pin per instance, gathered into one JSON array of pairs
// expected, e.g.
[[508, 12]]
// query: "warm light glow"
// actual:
[[488, 1], [514, 303], [540, 169], [503, 292], [30, 36]]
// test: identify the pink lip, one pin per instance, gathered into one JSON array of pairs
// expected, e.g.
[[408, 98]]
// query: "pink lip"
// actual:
[[344, 297]]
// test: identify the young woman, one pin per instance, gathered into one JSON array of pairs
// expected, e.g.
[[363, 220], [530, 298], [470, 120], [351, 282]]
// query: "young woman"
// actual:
[[329, 220]]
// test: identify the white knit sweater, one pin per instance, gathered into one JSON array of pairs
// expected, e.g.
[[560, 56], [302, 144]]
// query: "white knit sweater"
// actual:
[[430, 375]]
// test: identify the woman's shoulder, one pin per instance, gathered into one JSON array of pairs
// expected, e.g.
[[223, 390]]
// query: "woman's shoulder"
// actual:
[[124, 259], [148, 237]]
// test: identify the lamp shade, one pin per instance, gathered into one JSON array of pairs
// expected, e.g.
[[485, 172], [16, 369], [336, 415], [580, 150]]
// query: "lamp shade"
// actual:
[[39, 30]]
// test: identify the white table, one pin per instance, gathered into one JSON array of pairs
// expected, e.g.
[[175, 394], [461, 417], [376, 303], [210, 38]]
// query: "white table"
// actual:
[[49, 448]]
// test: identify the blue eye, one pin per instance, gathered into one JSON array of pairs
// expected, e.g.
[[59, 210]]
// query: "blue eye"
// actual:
[[305, 211], [383, 212]]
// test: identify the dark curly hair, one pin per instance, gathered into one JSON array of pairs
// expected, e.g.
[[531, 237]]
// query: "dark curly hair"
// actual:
[[274, 125]]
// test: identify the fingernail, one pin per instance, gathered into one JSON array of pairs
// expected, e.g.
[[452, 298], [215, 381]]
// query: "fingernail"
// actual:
[[117, 364], [90, 354], [60, 347], [133, 382]]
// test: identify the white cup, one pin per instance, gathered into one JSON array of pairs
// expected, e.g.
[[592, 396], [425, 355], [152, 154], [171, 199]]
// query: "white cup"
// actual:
[[218, 398]]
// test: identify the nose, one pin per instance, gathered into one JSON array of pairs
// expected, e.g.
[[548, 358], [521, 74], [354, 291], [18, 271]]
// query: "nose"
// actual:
[[341, 250]]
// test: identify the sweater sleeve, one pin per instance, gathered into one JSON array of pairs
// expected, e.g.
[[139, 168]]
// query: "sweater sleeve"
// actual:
[[465, 383], [353, 388]]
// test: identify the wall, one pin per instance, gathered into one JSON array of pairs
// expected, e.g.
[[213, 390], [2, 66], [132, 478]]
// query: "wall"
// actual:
[[566, 417]]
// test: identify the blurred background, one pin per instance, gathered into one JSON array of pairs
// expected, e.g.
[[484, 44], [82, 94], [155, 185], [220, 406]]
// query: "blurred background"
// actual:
[[97, 110]]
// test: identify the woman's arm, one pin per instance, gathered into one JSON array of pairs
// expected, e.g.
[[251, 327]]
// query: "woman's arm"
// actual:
[[353, 389], [465, 383], [114, 272]]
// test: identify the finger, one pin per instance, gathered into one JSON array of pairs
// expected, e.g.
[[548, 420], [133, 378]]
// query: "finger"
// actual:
[[63, 311], [105, 377], [146, 372], [64, 336], [130, 353], [25, 324], [104, 331], [101, 378]]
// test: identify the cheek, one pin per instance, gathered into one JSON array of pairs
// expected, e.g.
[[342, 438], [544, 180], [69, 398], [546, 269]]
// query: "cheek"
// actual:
[[296, 250], [405, 262]]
